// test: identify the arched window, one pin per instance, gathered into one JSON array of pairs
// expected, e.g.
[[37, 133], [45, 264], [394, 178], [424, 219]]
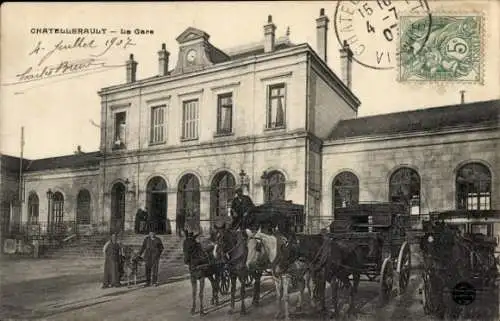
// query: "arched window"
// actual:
[[188, 197], [58, 212], [221, 194], [83, 207], [274, 186], [117, 207], [404, 187], [33, 208], [473, 186], [345, 190]]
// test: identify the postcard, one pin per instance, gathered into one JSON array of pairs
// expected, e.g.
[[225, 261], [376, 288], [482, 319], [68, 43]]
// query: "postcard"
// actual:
[[294, 160]]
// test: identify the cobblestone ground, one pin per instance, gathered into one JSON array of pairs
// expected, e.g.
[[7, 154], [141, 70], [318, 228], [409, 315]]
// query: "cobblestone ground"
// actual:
[[69, 290]]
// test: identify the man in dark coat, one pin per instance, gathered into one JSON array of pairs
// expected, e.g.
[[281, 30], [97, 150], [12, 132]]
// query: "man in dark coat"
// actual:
[[152, 247], [240, 207], [111, 252], [180, 222], [140, 217]]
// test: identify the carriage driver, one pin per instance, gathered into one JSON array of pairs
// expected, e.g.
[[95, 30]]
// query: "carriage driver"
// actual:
[[240, 206]]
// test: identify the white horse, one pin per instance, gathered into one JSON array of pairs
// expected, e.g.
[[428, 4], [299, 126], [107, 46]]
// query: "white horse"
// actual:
[[276, 253]]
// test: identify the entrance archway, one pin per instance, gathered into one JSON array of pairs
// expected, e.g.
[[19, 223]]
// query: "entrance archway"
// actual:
[[117, 208], [157, 205]]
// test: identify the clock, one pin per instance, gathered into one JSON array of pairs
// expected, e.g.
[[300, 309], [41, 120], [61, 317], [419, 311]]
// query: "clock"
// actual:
[[191, 56]]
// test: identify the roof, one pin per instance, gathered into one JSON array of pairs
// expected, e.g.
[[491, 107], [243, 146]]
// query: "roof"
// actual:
[[257, 49], [428, 119], [11, 163], [69, 161]]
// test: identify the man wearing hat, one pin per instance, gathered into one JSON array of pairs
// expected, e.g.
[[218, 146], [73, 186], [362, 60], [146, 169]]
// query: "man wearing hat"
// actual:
[[240, 206]]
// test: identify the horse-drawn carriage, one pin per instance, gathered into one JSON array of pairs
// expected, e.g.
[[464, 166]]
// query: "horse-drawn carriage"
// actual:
[[383, 227], [460, 267], [281, 214]]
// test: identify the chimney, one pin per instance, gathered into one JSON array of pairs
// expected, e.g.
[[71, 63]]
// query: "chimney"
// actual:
[[163, 55], [346, 64], [269, 29], [462, 97], [322, 34], [131, 69]]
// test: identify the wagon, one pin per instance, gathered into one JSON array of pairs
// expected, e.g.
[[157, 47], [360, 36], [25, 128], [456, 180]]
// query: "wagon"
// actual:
[[285, 215], [388, 223], [444, 292]]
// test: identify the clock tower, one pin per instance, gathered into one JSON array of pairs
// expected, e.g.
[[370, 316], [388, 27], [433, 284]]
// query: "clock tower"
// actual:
[[196, 52]]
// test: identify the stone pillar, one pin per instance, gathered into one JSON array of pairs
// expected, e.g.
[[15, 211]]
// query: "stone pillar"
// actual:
[[205, 219]]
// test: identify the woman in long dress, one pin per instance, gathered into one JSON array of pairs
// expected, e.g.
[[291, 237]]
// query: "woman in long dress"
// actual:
[[111, 252]]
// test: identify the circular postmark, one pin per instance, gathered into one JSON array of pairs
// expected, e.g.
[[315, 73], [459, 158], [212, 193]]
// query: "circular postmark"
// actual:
[[371, 29], [463, 293]]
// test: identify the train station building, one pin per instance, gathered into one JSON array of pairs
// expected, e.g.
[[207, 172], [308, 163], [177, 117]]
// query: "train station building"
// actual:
[[271, 117]]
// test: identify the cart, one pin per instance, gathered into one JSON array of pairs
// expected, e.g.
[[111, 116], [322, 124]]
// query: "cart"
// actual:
[[388, 223], [477, 280]]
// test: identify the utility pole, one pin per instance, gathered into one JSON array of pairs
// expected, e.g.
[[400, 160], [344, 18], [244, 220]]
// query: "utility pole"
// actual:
[[21, 167]]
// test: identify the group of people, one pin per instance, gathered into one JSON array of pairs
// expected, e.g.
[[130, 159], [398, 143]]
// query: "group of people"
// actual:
[[151, 249], [152, 246], [145, 221]]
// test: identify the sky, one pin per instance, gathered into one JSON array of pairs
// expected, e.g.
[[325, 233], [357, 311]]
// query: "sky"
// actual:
[[58, 112]]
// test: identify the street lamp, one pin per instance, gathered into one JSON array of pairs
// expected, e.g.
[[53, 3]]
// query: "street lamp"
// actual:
[[130, 189], [244, 180]]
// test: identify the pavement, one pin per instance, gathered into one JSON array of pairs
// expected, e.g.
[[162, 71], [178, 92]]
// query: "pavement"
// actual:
[[66, 289]]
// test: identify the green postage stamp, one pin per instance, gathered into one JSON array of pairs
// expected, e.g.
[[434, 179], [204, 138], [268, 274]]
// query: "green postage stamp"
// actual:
[[441, 48]]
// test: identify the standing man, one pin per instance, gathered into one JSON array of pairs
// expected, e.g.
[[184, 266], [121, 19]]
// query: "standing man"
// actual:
[[152, 247], [240, 206], [180, 222]]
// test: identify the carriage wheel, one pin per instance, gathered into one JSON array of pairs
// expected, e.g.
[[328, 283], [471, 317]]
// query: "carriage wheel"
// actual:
[[225, 282], [430, 296], [404, 267], [386, 280]]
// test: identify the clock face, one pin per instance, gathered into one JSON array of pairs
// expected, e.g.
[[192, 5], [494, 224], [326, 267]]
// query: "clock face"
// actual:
[[191, 55]]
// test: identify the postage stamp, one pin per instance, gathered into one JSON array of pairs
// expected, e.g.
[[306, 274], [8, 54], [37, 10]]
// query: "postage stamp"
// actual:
[[444, 48]]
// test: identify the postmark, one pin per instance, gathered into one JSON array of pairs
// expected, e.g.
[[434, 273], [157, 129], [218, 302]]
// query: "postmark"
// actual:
[[463, 293], [371, 28], [450, 52]]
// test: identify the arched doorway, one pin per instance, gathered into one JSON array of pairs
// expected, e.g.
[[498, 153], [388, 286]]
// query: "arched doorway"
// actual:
[[117, 208], [33, 208], [188, 200], [221, 194], [83, 207], [157, 205]]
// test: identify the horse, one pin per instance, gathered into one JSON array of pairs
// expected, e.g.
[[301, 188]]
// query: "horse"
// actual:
[[282, 255], [202, 265], [231, 249], [446, 263], [346, 257]]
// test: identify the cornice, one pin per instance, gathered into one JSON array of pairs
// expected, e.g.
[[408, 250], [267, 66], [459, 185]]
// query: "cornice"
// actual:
[[157, 80]]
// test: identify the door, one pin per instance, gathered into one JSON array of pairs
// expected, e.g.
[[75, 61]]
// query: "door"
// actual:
[[117, 208]]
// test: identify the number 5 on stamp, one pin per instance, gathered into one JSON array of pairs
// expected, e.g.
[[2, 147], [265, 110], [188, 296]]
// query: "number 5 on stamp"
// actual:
[[451, 51]]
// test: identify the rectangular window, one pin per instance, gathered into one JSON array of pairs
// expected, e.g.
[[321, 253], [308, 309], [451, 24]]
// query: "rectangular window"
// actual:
[[120, 129], [276, 106], [157, 124], [190, 119], [225, 113]]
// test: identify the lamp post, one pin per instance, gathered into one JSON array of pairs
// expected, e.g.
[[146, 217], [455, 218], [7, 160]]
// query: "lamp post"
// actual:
[[50, 194], [244, 181]]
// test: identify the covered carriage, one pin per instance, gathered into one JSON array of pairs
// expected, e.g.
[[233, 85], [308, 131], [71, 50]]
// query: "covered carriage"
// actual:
[[387, 224], [460, 267]]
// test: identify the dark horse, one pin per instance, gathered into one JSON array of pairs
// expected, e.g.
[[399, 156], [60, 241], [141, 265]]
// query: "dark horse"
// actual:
[[202, 264], [446, 263], [231, 249]]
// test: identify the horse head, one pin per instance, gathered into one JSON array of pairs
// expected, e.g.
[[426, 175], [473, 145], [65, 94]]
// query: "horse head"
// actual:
[[261, 248]]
